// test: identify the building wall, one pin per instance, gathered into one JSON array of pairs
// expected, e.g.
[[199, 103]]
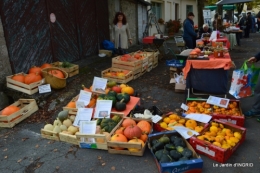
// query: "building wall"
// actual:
[[4, 58]]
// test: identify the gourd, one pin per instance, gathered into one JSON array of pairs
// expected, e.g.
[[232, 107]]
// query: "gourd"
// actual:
[[116, 118], [57, 129], [32, 77], [63, 127], [120, 106], [72, 118], [73, 129], [136, 141], [118, 138], [120, 130], [56, 73], [102, 140], [9, 110], [18, 78], [129, 90], [67, 122], [128, 122], [45, 65], [48, 127], [144, 137], [63, 115], [124, 96], [57, 123], [35, 70], [144, 126], [108, 124], [132, 132]]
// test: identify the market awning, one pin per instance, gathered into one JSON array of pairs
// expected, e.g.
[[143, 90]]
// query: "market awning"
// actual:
[[232, 2], [225, 7]]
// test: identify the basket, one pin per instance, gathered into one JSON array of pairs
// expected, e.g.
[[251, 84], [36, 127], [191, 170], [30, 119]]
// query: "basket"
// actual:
[[55, 82]]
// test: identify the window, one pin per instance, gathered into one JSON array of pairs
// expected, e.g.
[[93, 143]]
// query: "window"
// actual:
[[189, 8], [157, 9]]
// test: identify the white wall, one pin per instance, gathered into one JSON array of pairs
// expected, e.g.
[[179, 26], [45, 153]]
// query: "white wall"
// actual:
[[183, 10]]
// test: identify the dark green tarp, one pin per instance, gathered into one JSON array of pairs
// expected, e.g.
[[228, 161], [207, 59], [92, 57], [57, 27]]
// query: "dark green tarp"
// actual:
[[225, 7]]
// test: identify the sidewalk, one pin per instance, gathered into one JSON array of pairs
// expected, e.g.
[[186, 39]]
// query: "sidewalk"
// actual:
[[23, 149]]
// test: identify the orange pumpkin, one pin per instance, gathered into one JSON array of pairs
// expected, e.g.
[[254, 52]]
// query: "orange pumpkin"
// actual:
[[191, 123], [136, 141], [45, 65], [31, 78], [129, 90], [92, 103], [36, 70], [120, 130], [72, 104], [57, 73], [128, 122], [118, 138], [18, 77], [132, 132], [9, 110], [144, 126], [144, 137]]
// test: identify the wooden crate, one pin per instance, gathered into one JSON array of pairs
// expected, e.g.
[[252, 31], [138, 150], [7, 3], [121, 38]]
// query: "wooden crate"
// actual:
[[22, 87], [72, 71], [137, 73], [107, 52], [101, 146], [27, 107], [72, 139], [126, 145], [50, 135], [132, 66], [128, 77]]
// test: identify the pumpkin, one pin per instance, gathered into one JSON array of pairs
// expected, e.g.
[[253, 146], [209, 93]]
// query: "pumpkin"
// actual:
[[105, 138], [136, 141], [36, 70], [129, 90], [122, 85], [120, 106], [138, 56], [128, 122], [191, 124], [120, 130], [132, 132], [144, 126], [118, 138], [72, 103], [125, 96], [92, 103], [108, 124], [45, 65], [144, 137], [9, 110], [18, 77], [57, 73], [31, 78]]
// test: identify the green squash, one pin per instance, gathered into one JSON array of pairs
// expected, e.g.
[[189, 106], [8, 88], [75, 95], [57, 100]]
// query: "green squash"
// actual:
[[113, 93], [111, 97], [108, 124], [116, 118], [63, 115], [120, 106], [164, 139], [101, 97], [99, 121], [124, 96]]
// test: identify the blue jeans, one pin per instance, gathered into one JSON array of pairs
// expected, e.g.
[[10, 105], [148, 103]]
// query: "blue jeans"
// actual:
[[190, 43]]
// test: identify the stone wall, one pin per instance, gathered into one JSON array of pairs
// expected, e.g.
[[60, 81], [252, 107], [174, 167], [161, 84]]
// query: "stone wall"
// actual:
[[4, 59]]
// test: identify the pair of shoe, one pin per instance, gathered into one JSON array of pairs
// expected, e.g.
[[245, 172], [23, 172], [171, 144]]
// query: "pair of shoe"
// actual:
[[251, 113]]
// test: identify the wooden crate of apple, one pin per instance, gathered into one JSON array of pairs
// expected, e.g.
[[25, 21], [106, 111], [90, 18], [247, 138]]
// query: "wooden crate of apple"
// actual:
[[131, 137], [171, 120]]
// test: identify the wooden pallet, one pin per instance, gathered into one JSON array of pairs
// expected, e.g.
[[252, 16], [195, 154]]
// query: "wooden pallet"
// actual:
[[128, 77], [50, 135], [22, 87], [27, 108], [72, 71]]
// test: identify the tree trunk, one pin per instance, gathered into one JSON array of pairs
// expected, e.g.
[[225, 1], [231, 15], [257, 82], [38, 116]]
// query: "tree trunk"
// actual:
[[220, 10], [240, 7], [201, 5]]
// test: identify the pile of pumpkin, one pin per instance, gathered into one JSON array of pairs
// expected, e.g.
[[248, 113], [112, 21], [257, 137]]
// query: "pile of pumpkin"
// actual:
[[119, 94], [221, 136], [132, 131], [9, 110], [169, 122], [136, 56], [35, 74]]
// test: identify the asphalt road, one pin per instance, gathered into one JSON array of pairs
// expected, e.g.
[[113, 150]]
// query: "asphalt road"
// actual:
[[24, 151]]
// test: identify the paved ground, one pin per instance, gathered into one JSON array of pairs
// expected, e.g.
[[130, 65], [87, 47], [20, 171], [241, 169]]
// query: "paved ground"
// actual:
[[23, 149]]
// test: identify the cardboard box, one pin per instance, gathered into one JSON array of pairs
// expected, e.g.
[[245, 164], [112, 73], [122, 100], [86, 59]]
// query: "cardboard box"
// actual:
[[127, 145], [214, 152], [234, 119], [27, 108], [124, 79], [72, 71], [22, 87], [179, 87], [194, 165]]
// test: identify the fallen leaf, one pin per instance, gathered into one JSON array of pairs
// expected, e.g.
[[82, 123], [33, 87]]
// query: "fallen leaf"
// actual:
[[155, 101], [37, 146], [6, 157], [5, 149], [57, 167], [24, 139], [99, 158], [113, 168], [6, 137], [55, 150], [149, 97], [18, 161], [71, 149], [103, 164]]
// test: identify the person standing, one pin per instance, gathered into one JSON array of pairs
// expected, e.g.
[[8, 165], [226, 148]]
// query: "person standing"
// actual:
[[248, 25], [120, 32], [241, 24], [189, 35]]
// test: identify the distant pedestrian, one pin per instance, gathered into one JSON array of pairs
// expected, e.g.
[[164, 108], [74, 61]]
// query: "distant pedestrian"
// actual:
[[248, 24], [241, 24], [189, 34]]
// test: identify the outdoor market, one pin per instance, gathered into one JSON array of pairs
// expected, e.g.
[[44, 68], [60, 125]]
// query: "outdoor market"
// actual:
[[182, 103]]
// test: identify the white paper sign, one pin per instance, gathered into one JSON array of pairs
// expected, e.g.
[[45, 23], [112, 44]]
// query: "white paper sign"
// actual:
[[103, 108], [99, 84], [84, 96], [185, 132], [206, 14], [83, 114], [88, 127], [184, 107], [44, 88], [156, 118], [221, 102], [199, 117], [80, 104]]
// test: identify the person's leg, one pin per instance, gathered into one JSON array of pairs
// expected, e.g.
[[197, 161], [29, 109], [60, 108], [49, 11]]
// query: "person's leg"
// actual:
[[238, 38], [255, 110], [188, 43]]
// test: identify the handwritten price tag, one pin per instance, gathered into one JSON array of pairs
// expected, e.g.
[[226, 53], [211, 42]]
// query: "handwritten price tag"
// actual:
[[156, 118], [184, 107], [44, 88]]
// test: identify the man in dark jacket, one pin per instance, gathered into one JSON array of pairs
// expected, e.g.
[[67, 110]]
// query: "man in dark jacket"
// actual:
[[205, 29], [241, 24], [189, 35], [255, 110], [248, 24]]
